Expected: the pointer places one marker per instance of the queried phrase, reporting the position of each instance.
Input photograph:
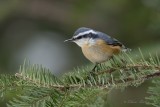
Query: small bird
(96, 46)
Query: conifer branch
(48, 90)
(155, 73)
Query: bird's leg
(112, 58)
(100, 65)
(93, 70)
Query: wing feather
(109, 40)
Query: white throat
(85, 41)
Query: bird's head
(83, 36)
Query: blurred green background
(36, 29)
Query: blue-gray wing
(109, 40)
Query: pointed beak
(69, 40)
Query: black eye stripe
(85, 36)
(79, 37)
(82, 36)
(90, 35)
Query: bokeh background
(36, 29)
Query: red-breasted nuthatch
(96, 46)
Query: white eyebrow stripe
(86, 32)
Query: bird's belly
(97, 54)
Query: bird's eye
(79, 37)
(84, 36)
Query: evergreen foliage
(38, 87)
(154, 98)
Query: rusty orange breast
(100, 51)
